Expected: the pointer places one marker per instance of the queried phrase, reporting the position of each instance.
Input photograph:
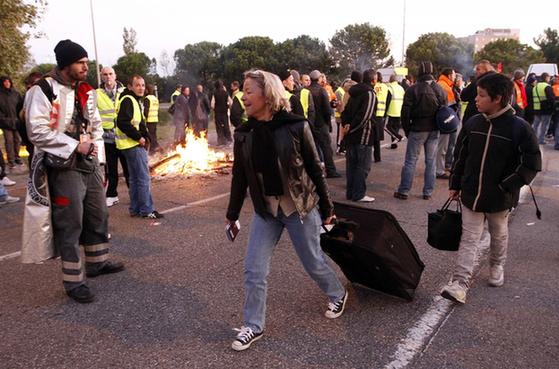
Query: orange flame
(194, 158)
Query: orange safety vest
(518, 94)
(447, 84)
(556, 89)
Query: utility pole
(95, 45)
(404, 35)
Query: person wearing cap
(323, 123)
(64, 124)
(519, 99)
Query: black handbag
(444, 227)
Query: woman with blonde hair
(276, 158)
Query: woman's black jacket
(300, 165)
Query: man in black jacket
(358, 135)
(323, 124)
(496, 154)
(469, 93)
(10, 100)
(421, 102)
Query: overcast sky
(171, 24)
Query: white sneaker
(496, 276)
(366, 199)
(112, 201)
(455, 292)
(7, 182)
(9, 200)
(336, 309)
(245, 338)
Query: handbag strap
(458, 204)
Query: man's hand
(142, 141)
(87, 148)
(453, 194)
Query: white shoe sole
(451, 297)
(330, 315)
(496, 283)
(237, 347)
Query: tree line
(355, 47)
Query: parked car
(549, 68)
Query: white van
(548, 68)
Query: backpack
(447, 119)
(427, 102)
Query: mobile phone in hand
(232, 230)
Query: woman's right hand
(453, 194)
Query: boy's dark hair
(497, 84)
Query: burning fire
(195, 157)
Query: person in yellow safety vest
(151, 112)
(305, 97)
(555, 117)
(132, 139)
(381, 90)
(108, 95)
(394, 101)
(175, 94)
(544, 100)
(237, 113)
(339, 92)
(289, 85)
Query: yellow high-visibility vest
(396, 101)
(382, 94)
(153, 112)
(176, 93)
(339, 91)
(107, 107)
(304, 97)
(538, 93)
(122, 141)
(239, 96)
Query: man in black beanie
(65, 126)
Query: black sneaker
(245, 338)
(108, 268)
(333, 175)
(81, 294)
(153, 215)
(335, 309)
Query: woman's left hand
(330, 219)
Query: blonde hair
(272, 88)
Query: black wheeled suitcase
(377, 254)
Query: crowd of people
(283, 152)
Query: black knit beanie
(68, 52)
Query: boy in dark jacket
(496, 154)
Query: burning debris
(195, 157)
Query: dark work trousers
(378, 124)
(13, 142)
(153, 144)
(79, 217)
(222, 128)
(358, 165)
(325, 142)
(393, 125)
(113, 155)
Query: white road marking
(426, 328)
(191, 204)
(10, 256)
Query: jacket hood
(360, 89)
(4, 78)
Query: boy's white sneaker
(496, 276)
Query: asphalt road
(182, 293)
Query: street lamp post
(95, 45)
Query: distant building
(482, 38)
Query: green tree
(129, 41)
(14, 16)
(134, 63)
(511, 53)
(441, 49)
(359, 47)
(43, 68)
(304, 54)
(248, 52)
(549, 45)
(199, 63)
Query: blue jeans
(264, 235)
(140, 181)
(358, 164)
(429, 141)
(556, 134)
(541, 123)
(3, 192)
